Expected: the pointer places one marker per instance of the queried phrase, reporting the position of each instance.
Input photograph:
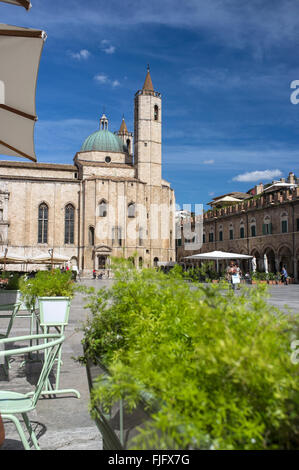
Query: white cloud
(81, 55)
(258, 175)
(103, 79)
(107, 47)
(208, 162)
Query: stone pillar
(277, 264)
(295, 267)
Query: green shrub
(203, 273)
(272, 276)
(10, 280)
(217, 363)
(47, 284)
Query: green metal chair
(54, 312)
(13, 309)
(12, 403)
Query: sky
(224, 69)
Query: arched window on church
(69, 224)
(43, 214)
(103, 208)
(156, 112)
(129, 145)
(131, 210)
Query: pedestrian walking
(233, 274)
(284, 275)
(76, 273)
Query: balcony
(258, 202)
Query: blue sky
(224, 69)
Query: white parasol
(11, 258)
(20, 52)
(218, 255)
(49, 258)
(21, 3)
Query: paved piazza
(64, 423)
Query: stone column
(295, 267)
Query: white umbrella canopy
(20, 52)
(214, 255)
(12, 258)
(218, 255)
(21, 3)
(48, 259)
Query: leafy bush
(272, 276)
(259, 276)
(10, 280)
(47, 284)
(217, 363)
(203, 273)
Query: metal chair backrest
(51, 346)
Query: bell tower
(147, 133)
(125, 136)
(104, 123)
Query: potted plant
(213, 367)
(271, 278)
(254, 278)
(263, 278)
(9, 288)
(52, 290)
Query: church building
(112, 202)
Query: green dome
(103, 141)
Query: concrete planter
(9, 296)
(2, 432)
(54, 310)
(12, 297)
(118, 427)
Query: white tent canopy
(225, 199)
(21, 3)
(48, 259)
(218, 255)
(12, 258)
(20, 52)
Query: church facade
(111, 202)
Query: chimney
(291, 178)
(259, 188)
